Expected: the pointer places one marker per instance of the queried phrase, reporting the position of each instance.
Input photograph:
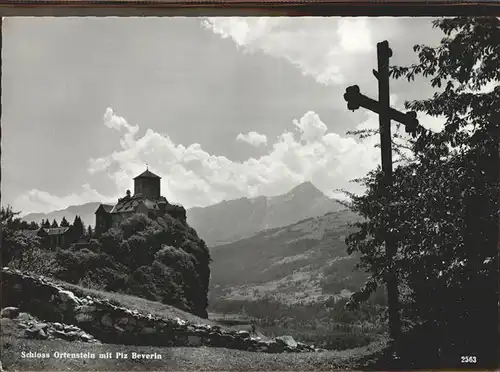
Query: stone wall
(113, 324)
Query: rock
(86, 309)
(287, 341)
(82, 318)
(69, 336)
(194, 341)
(68, 296)
(42, 334)
(37, 333)
(180, 321)
(148, 330)
(71, 328)
(86, 337)
(122, 321)
(40, 326)
(244, 334)
(10, 312)
(181, 340)
(106, 320)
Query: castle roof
(106, 207)
(147, 174)
(131, 204)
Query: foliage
(14, 239)
(33, 226)
(64, 222)
(90, 233)
(325, 324)
(161, 260)
(54, 223)
(78, 227)
(37, 261)
(443, 207)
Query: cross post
(386, 113)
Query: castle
(147, 199)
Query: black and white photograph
(236, 193)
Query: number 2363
(468, 359)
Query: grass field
(172, 359)
(14, 344)
(136, 303)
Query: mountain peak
(305, 188)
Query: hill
(300, 263)
(233, 220)
(85, 211)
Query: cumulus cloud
(317, 46)
(252, 138)
(192, 176)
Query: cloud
(116, 122)
(252, 138)
(44, 202)
(355, 35)
(192, 176)
(320, 47)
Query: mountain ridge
(305, 261)
(229, 220)
(85, 211)
(233, 220)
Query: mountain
(233, 220)
(85, 211)
(305, 261)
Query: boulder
(10, 312)
(36, 332)
(68, 297)
(194, 341)
(83, 317)
(106, 320)
(287, 341)
(69, 336)
(243, 334)
(148, 330)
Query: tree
(64, 222)
(13, 240)
(46, 224)
(33, 226)
(90, 233)
(78, 227)
(54, 224)
(444, 203)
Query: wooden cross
(386, 113)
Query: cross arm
(355, 100)
(374, 106)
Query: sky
(220, 108)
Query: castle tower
(148, 185)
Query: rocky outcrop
(36, 329)
(114, 324)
